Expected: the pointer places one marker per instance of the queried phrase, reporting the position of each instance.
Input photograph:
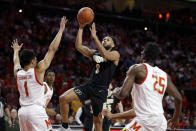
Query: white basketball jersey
(147, 96)
(48, 94)
(30, 89)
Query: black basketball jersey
(102, 73)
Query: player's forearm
(16, 57)
(56, 41)
(78, 43)
(7, 112)
(178, 107)
(101, 49)
(124, 115)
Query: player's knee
(98, 119)
(63, 99)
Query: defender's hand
(93, 30)
(106, 113)
(173, 123)
(15, 45)
(63, 23)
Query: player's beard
(107, 47)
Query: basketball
(85, 15)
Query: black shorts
(106, 124)
(96, 94)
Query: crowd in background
(177, 58)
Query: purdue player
(147, 84)
(110, 105)
(29, 77)
(104, 63)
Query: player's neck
(150, 63)
(26, 68)
(50, 85)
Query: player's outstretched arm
(172, 91)
(16, 59)
(123, 115)
(45, 63)
(112, 56)
(81, 48)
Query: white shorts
(33, 118)
(153, 123)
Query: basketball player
(104, 63)
(110, 105)
(147, 84)
(48, 92)
(29, 76)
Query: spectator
(4, 108)
(15, 122)
(170, 103)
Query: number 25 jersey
(147, 96)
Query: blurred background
(170, 23)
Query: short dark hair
(151, 52)
(49, 70)
(26, 56)
(114, 39)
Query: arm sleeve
(78, 114)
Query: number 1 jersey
(30, 89)
(147, 96)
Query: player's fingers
(66, 20)
(21, 45)
(17, 41)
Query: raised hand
(173, 123)
(93, 30)
(63, 23)
(15, 45)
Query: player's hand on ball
(63, 23)
(98, 59)
(93, 30)
(15, 45)
(173, 123)
(116, 92)
(106, 113)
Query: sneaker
(63, 129)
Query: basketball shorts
(153, 123)
(33, 118)
(106, 124)
(97, 95)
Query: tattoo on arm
(87, 51)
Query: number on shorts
(26, 89)
(97, 68)
(161, 86)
